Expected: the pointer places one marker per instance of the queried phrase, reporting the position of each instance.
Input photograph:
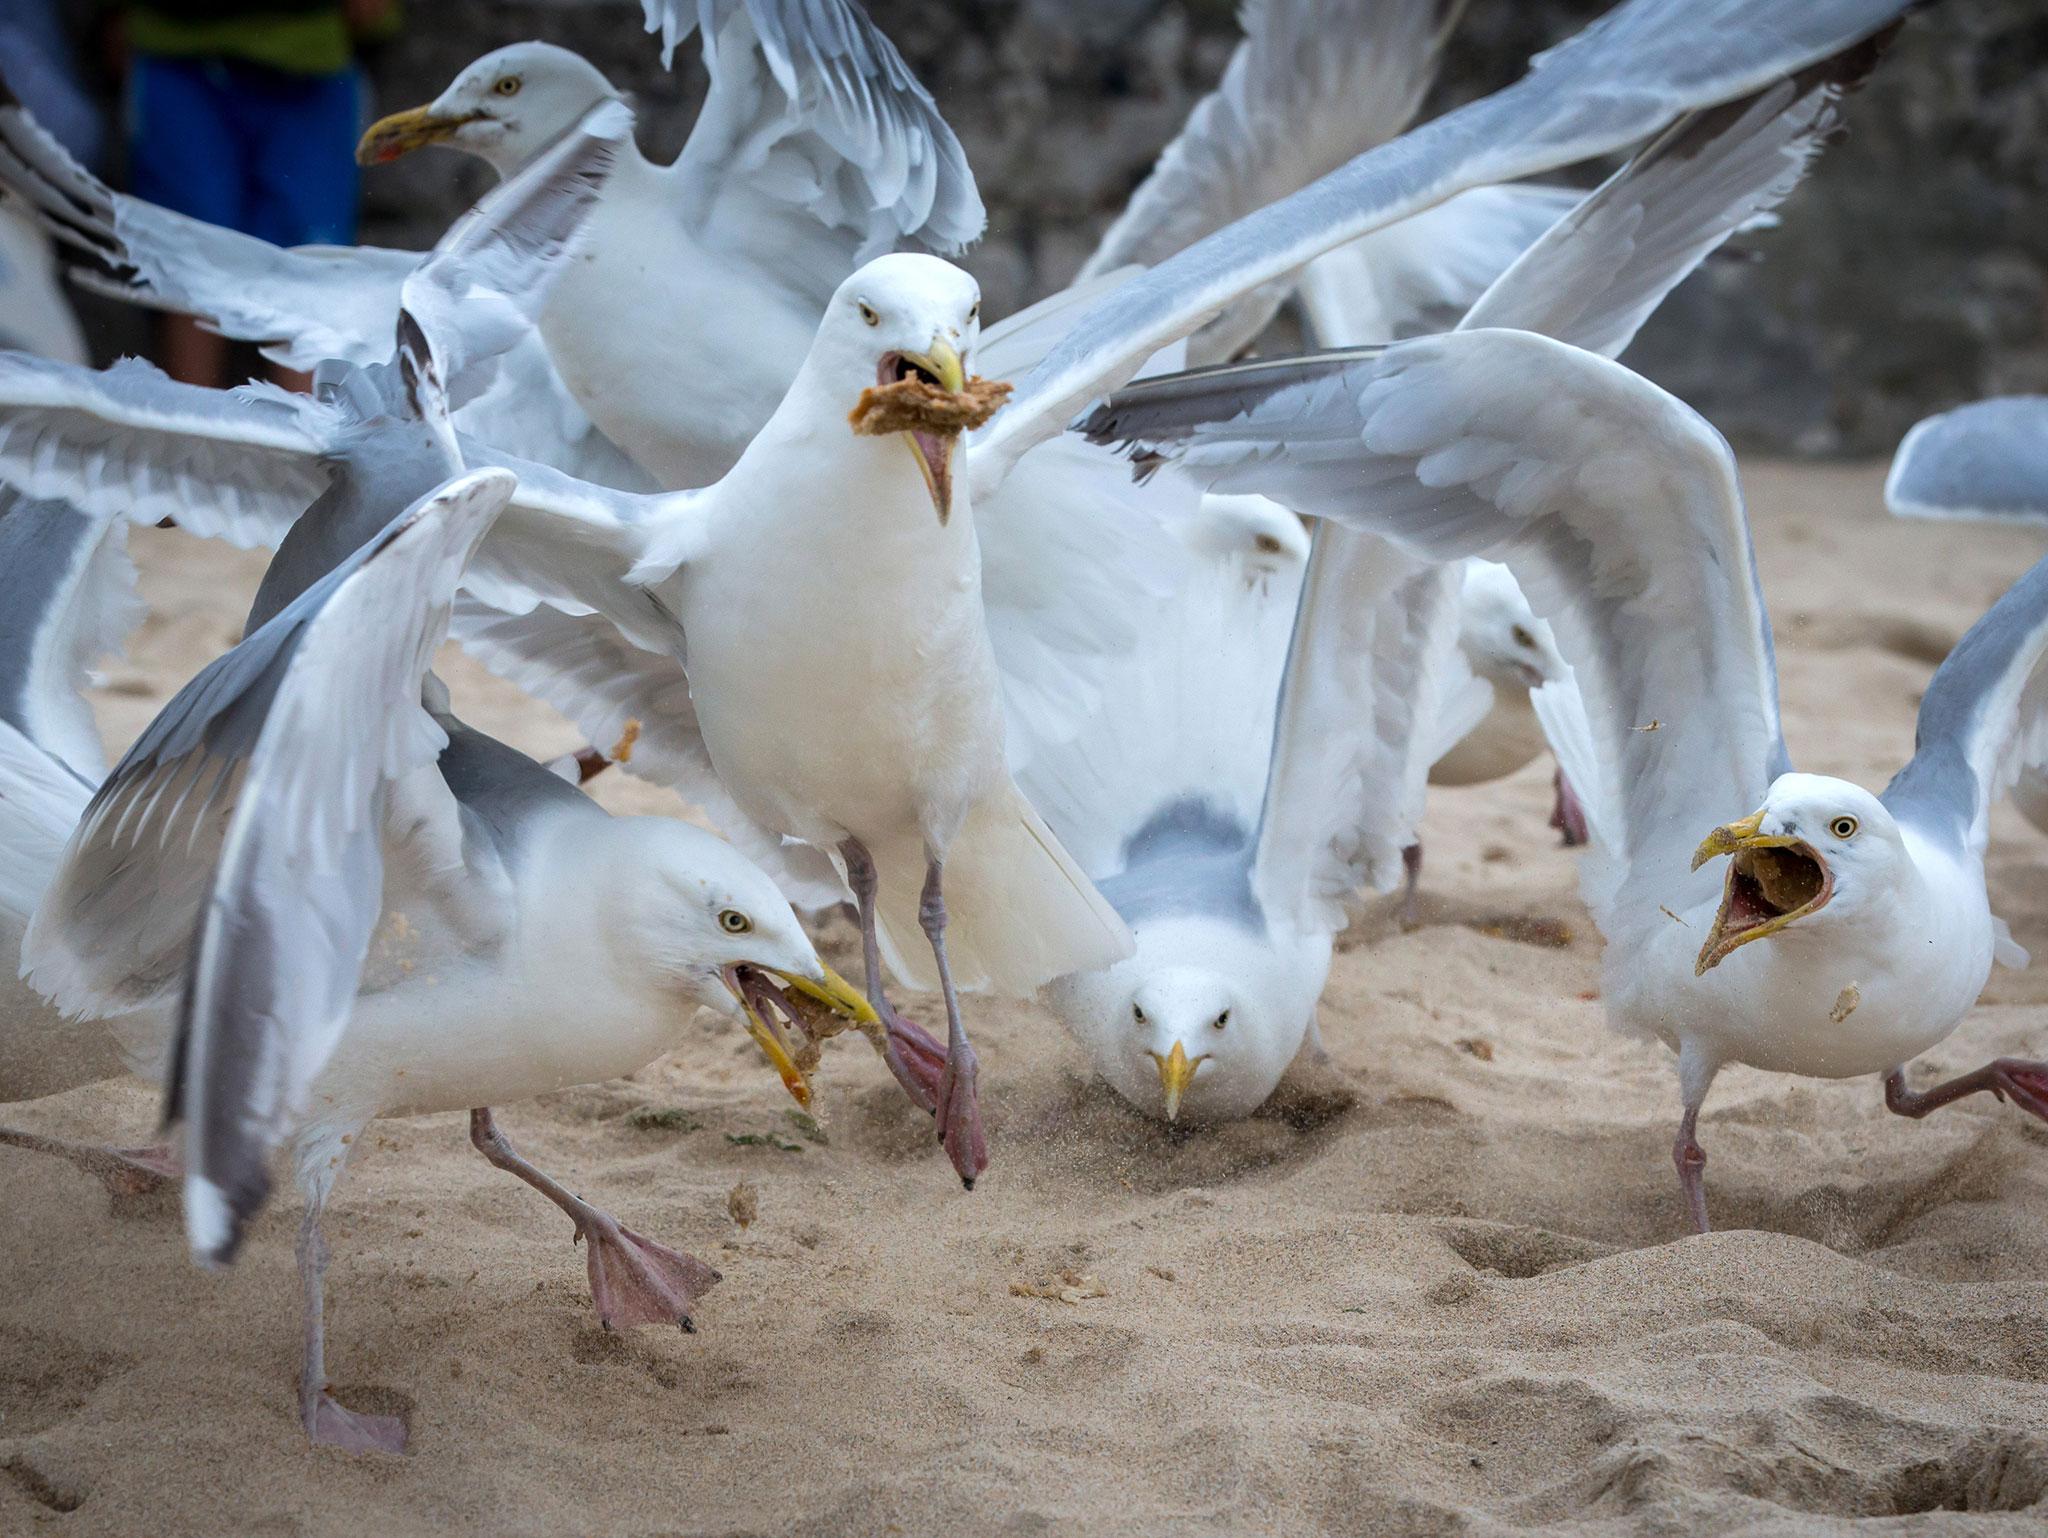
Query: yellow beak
(1786, 883)
(942, 363)
(403, 132)
(1176, 1073)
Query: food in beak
(1769, 885)
(791, 1017)
(928, 399)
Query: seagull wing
(1985, 460)
(1616, 507)
(67, 598)
(479, 292)
(1417, 274)
(270, 760)
(1623, 78)
(1368, 673)
(301, 305)
(238, 465)
(1313, 83)
(813, 112)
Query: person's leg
(302, 130)
(184, 154)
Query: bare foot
(959, 1113)
(329, 1424)
(636, 1281)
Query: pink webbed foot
(123, 1171)
(1568, 816)
(330, 1424)
(635, 1281)
(2024, 1083)
(959, 1113)
(914, 1057)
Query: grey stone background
(1909, 273)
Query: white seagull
(1850, 931)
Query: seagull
(1849, 932)
(815, 149)
(1232, 865)
(219, 891)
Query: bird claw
(914, 1057)
(1568, 816)
(636, 1281)
(959, 1113)
(2024, 1083)
(330, 1424)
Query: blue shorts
(258, 150)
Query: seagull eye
(1138, 1013)
(1222, 1020)
(974, 311)
(509, 86)
(1523, 638)
(734, 922)
(1843, 827)
(869, 314)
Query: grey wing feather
(300, 305)
(812, 106)
(1988, 460)
(1622, 79)
(1596, 275)
(67, 596)
(1366, 677)
(299, 723)
(1313, 83)
(1983, 719)
(239, 465)
(291, 901)
(1615, 506)
(481, 289)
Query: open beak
(1773, 880)
(403, 132)
(763, 1006)
(934, 451)
(1176, 1073)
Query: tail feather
(1019, 910)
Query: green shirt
(302, 37)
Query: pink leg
(1691, 1160)
(632, 1280)
(917, 1061)
(1568, 816)
(2026, 1083)
(327, 1422)
(123, 1171)
(960, 1129)
(1411, 888)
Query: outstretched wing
(1368, 672)
(481, 289)
(813, 113)
(67, 597)
(300, 305)
(1313, 83)
(239, 465)
(1622, 79)
(1988, 459)
(1615, 506)
(238, 846)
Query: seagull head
(505, 108)
(1818, 850)
(1259, 536)
(696, 918)
(897, 343)
(1503, 640)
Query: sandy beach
(1449, 1288)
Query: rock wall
(1911, 272)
